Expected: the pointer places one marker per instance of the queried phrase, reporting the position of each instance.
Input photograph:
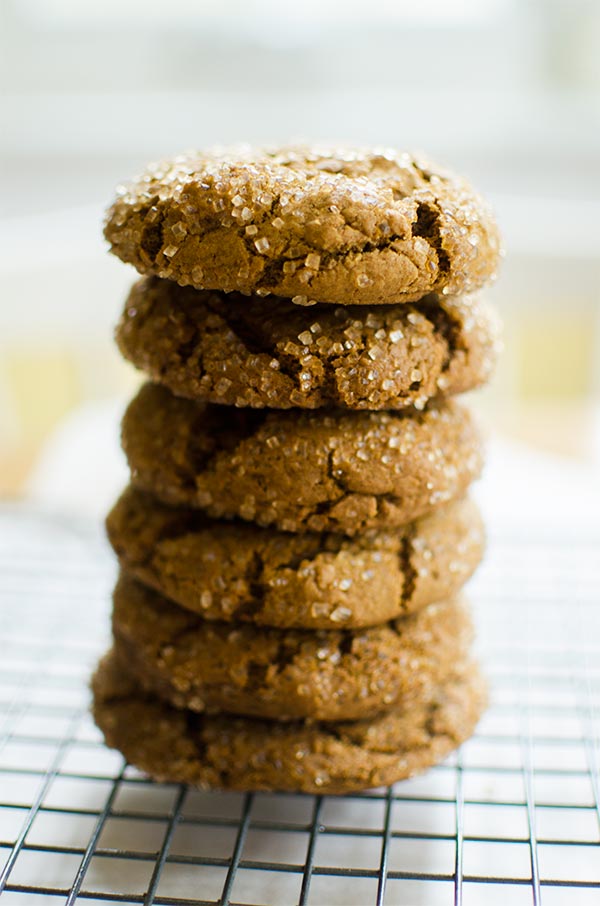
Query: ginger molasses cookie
(244, 753)
(342, 225)
(284, 674)
(325, 470)
(233, 571)
(265, 352)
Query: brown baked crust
(242, 753)
(284, 674)
(233, 571)
(348, 226)
(243, 351)
(327, 470)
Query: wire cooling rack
(513, 818)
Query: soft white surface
(522, 486)
(82, 469)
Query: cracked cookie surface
(284, 674)
(242, 753)
(299, 470)
(233, 571)
(260, 352)
(341, 225)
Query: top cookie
(340, 225)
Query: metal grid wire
(514, 817)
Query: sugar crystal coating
(359, 226)
(326, 474)
(285, 674)
(251, 352)
(225, 752)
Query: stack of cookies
(297, 530)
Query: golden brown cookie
(342, 225)
(284, 674)
(252, 352)
(300, 470)
(233, 571)
(244, 753)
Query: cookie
(260, 352)
(284, 674)
(325, 470)
(233, 571)
(244, 753)
(341, 225)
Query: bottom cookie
(240, 753)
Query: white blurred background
(506, 92)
